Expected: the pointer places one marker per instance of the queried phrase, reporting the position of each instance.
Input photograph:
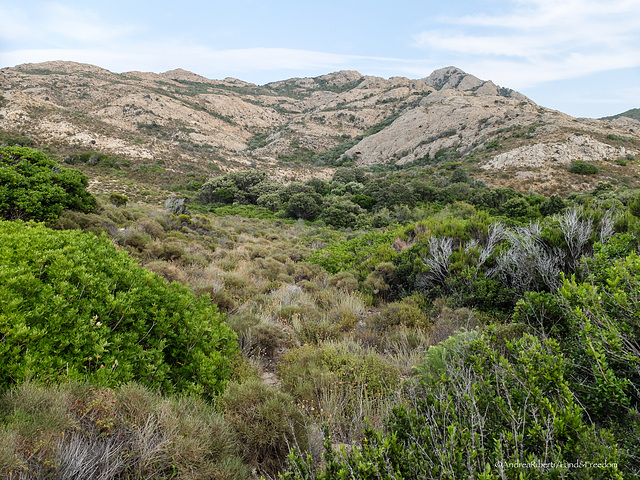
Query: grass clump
(267, 423)
(77, 430)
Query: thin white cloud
(55, 22)
(81, 25)
(543, 40)
(532, 43)
(61, 32)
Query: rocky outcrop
(540, 155)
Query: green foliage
(634, 207)
(340, 212)
(350, 255)
(247, 211)
(19, 142)
(270, 201)
(118, 200)
(594, 321)
(516, 208)
(583, 168)
(486, 407)
(346, 175)
(239, 187)
(303, 205)
(552, 206)
(73, 306)
(365, 201)
(34, 187)
(309, 369)
(266, 421)
(405, 312)
(97, 159)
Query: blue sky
(581, 57)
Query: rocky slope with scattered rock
(301, 127)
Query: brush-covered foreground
(434, 327)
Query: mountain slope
(633, 113)
(297, 128)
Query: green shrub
(118, 200)
(303, 205)
(71, 305)
(485, 408)
(34, 187)
(595, 323)
(405, 312)
(266, 421)
(344, 281)
(583, 168)
(19, 142)
(308, 370)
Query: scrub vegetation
(405, 324)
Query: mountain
(633, 113)
(191, 125)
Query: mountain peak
(453, 78)
(184, 75)
(343, 77)
(61, 66)
(193, 123)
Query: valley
(318, 278)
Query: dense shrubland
(436, 327)
(356, 200)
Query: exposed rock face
(187, 121)
(445, 119)
(576, 147)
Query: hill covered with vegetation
(633, 113)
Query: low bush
(406, 312)
(73, 306)
(34, 187)
(267, 423)
(583, 168)
(484, 408)
(85, 431)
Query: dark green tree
(118, 200)
(303, 205)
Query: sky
(581, 57)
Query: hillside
(633, 113)
(175, 305)
(182, 123)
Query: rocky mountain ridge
(301, 127)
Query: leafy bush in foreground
(487, 407)
(34, 187)
(71, 305)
